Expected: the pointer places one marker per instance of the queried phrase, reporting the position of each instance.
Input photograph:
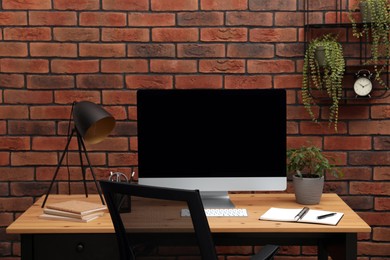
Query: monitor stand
(216, 200)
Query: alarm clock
(363, 83)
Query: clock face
(362, 86)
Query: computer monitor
(212, 140)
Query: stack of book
(73, 210)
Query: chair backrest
(134, 206)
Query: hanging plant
(328, 76)
(376, 30)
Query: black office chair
(130, 216)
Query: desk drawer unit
(70, 247)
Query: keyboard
(219, 212)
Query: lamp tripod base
(81, 150)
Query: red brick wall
(54, 52)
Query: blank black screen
(212, 133)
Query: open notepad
(281, 214)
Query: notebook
(289, 215)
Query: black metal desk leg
(27, 247)
(322, 252)
(351, 246)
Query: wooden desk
(95, 240)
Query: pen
(326, 215)
(302, 213)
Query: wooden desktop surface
(256, 204)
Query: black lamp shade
(92, 122)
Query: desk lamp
(92, 124)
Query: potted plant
(308, 165)
(327, 77)
(375, 27)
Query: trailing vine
(328, 77)
(375, 25)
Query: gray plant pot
(320, 56)
(308, 191)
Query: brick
(224, 34)
(174, 5)
(133, 144)
(370, 188)
(128, 5)
(273, 35)
(290, 50)
(125, 128)
(249, 19)
(19, 127)
(122, 159)
(377, 249)
(299, 141)
(381, 173)
(119, 113)
(102, 19)
(27, 34)
(150, 50)
(24, 65)
(69, 96)
(4, 158)
(275, 5)
(52, 18)
(76, 34)
(53, 50)
(49, 82)
(76, 4)
(14, 112)
(380, 112)
(14, 49)
(312, 128)
(200, 50)
(27, 97)
(13, 18)
(111, 97)
(375, 127)
(274, 66)
(151, 19)
(287, 81)
(299, 112)
(111, 144)
(74, 66)
(363, 173)
(369, 158)
(11, 80)
(14, 143)
(33, 158)
(198, 81)
(288, 19)
(222, 66)
(347, 143)
(200, 18)
(175, 34)
(359, 202)
(102, 50)
(125, 35)
(381, 234)
(149, 81)
(340, 188)
(224, 4)
(244, 50)
(28, 5)
(52, 143)
(382, 143)
(173, 66)
(28, 189)
(250, 82)
(99, 81)
(382, 203)
(49, 112)
(124, 65)
(10, 204)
